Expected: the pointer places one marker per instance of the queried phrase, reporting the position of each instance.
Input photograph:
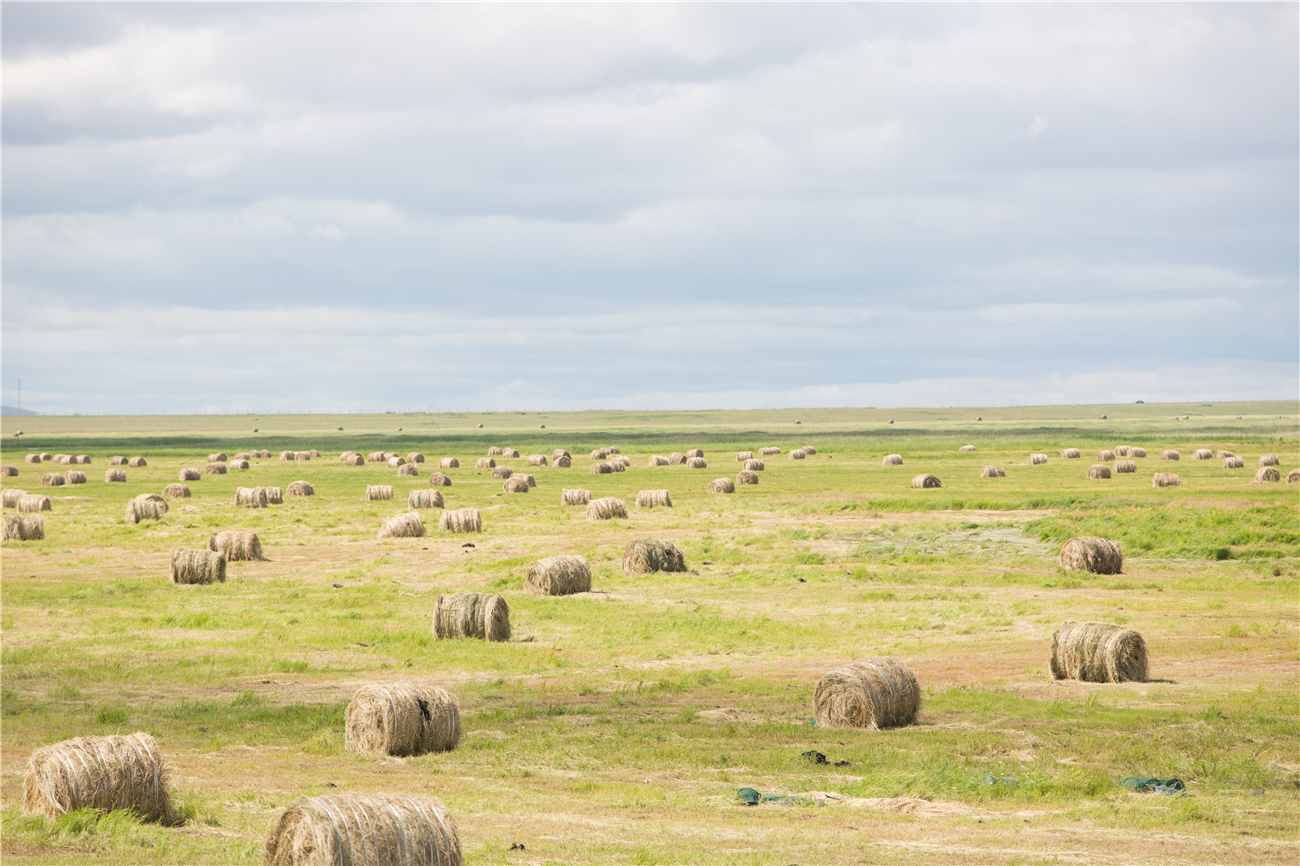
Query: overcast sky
(374, 207)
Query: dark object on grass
(813, 756)
(1150, 785)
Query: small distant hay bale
(374, 457)
(479, 615)
(238, 464)
(966, 448)
(537, 460)
(415, 457)
(809, 450)
(395, 462)
(236, 544)
(1233, 462)
(1269, 460)
(409, 469)
(264, 454)
(401, 719)
(1098, 652)
(494, 451)
(797, 454)
(198, 567)
(449, 463)
(742, 456)
(892, 460)
(364, 830)
(657, 460)
(115, 460)
(137, 462)
(601, 468)
(993, 472)
(74, 476)
(1223, 455)
(1267, 474)
(1070, 454)
(746, 476)
(437, 479)
(460, 520)
(485, 463)
(275, 496)
(1089, 553)
(1099, 470)
(250, 497)
(301, 488)
(925, 481)
(1125, 466)
(53, 479)
(117, 773)
(408, 525)
(873, 693)
(83, 459)
(560, 452)
(676, 459)
(62, 459)
(721, 485)
(8, 471)
(769, 451)
(32, 458)
(1293, 476)
(46, 456)
(511, 453)
(23, 527)
(1105, 456)
(1138, 452)
(564, 461)
(651, 498)
(33, 503)
(754, 465)
(377, 492)
(515, 485)
(1165, 479)
(424, 499)
(502, 472)
(694, 452)
(189, 473)
(146, 506)
(606, 508)
(244, 455)
(1169, 454)
(696, 463)
(218, 457)
(214, 469)
(10, 496)
(177, 491)
(649, 555)
(618, 465)
(559, 575)
(1202, 454)
(353, 459)
(575, 497)
(1037, 459)
(302, 455)
(532, 482)
(313, 454)
(1123, 451)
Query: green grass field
(617, 725)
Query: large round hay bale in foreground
(696, 463)
(1037, 459)
(1233, 462)
(250, 497)
(365, 830)
(118, 773)
(136, 462)
(1099, 470)
(925, 481)
(1269, 460)
(1089, 553)
(437, 479)
(32, 503)
(23, 527)
(177, 491)
(10, 495)
(1098, 652)
(892, 460)
(649, 555)
(575, 497)
(424, 499)
(517, 484)
(236, 544)
(146, 506)
(606, 509)
(408, 525)
(746, 476)
(651, 498)
(873, 693)
(401, 719)
(1165, 479)
(721, 485)
(113, 475)
(189, 473)
(1122, 466)
(1169, 454)
(559, 575)
(460, 520)
(198, 567)
(1266, 474)
(993, 472)
(471, 615)
(301, 488)
(214, 469)
(53, 479)
(378, 492)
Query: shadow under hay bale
(146, 506)
(23, 527)
(236, 544)
(649, 555)
(117, 773)
(1165, 479)
(31, 503)
(1099, 470)
(408, 525)
(250, 497)
(721, 485)
(471, 615)
(745, 476)
(873, 693)
(559, 575)
(365, 830)
(1125, 466)
(606, 509)
(424, 499)
(460, 520)
(1089, 553)
(575, 497)
(53, 479)
(925, 481)
(401, 719)
(993, 472)
(437, 479)
(301, 488)
(1098, 652)
(892, 460)
(1267, 474)
(198, 567)
(651, 498)
(378, 492)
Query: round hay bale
(1269, 460)
(1105, 456)
(536, 459)
(564, 461)
(136, 462)
(117, 773)
(437, 479)
(395, 462)
(649, 555)
(696, 463)
(115, 460)
(1267, 474)
(502, 472)
(62, 459)
(510, 453)
(494, 451)
(606, 509)
(409, 469)
(694, 452)
(214, 469)
(460, 520)
(657, 460)
(74, 476)
(301, 488)
(769, 451)
(236, 544)
(1099, 470)
(7, 471)
(46, 456)
(177, 491)
(575, 497)
(745, 476)
(485, 463)
(408, 525)
(217, 457)
(1125, 466)
(23, 527)
(198, 567)
(275, 496)
(1222, 455)
(83, 459)
(402, 719)
(471, 615)
(675, 459)
(10, 496)
(993, 472)
(873, 693)
(378, 492)
(515, 485)
(353, 458)
(809, 450)
(32, 503)
(742, 456)
(925, 481)
(1169, 454)
(313, 454)
(1233, 462)
(302, 455)
(415, 457)
(559, 575)
(112, 475)
(424, 499)
(721, 485)
(754, 465)
(32, 458)
(967, 448)
(1089, 553)
(1098, 652)
(892, 460)
(264, 454)
(797, 454)
(1165, 479)
(651, 498)
(146, 506)
(560, 452)
(244, 455)
(1123, 451)
(1202, 454)
(1070, 453)
(239, 464)
(250, 497)
(354, 829)
(53, 479)
(1293, 476)
(372, 457)
(1037, 459)
(524, 476)
(449, 463)
(1138, 452)
(601, 468)
(189, 473)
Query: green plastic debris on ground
(1009, 781)
(1150, 785)
(751, 797)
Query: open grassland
(617, 725)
